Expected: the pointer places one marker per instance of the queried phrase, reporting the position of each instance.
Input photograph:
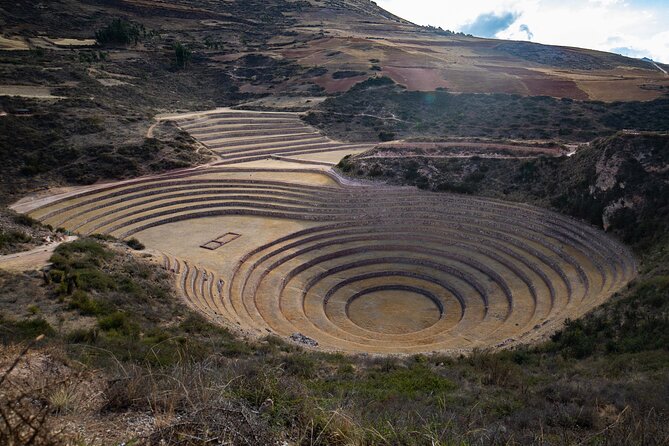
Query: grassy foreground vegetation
(102, 309)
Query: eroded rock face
(607, 172)
(630, 175)
(612, 208)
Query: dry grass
(24, 419)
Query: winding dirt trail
(34, 259)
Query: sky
(635, 28)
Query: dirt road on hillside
(34, 259)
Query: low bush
(135, 244)
(12, 330)
(13, 237)
(120, 32)
(182, 55)
(346, 74)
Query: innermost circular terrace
(393, 311)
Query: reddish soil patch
(256, 89)
(319, 52)
(469, 81)
(554, 87)
(417, 78)
(337, 85)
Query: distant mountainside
(344, 42)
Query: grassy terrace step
(300, 161)
(223, 127)
(105, 208)
(267, 153)
(239, 124)
(277, 138)
(243, 114)
(571, 238)
(238, 120)
(562, 236)
(205, 297)
(234, 134)
(184, 176)
(229, 135)
(245, 260)
(316, 234)
(234, 147)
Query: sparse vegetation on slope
(54, 147)
(19, 232)
(378, 105)
(120, 32)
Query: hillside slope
(351, 39)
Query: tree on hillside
(182, 55)
(120, 32)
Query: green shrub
(380, 385)
(33, 309)
(386, 136)
(182, 55)
(345, 165)
(300, 365)
(82, 336)
(103, 237)
(93, 279)
(86, 247)
(574, 341)
(120, 323)
(344, 74)
(120, 32)
(25, 220)
(135, 244)
(12, 237)
(25, 329)
(87, 306)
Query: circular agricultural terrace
(285, 248)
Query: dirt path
(34, 259)
(492, 156)
(149, 132)
(481, 145)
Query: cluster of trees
(182, 55)
(120, 32)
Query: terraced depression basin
(277, 246)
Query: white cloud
(597, 24)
